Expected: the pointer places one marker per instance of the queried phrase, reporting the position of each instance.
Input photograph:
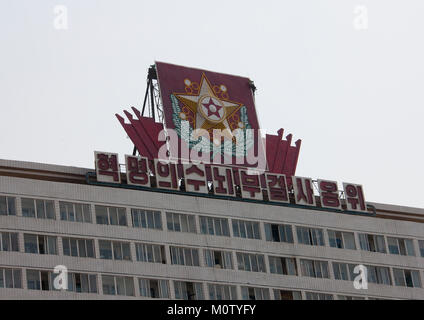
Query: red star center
(213, 109)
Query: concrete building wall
(263, 213)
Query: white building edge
(398, 276)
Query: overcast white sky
(354, 97)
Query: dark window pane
(28, 207)
(11, 206)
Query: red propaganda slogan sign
(225, 181)
(213, 115)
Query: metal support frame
(152, 99)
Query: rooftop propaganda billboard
(213, 115)
(228, 182)
(210, 144)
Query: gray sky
(354, 97)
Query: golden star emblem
(211, 112)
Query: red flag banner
(213, 116)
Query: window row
(187, 256)
(150, 219)
(152, 288)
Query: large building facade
(120, 243)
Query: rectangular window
(146, 219)
(314, 268)
(283, 265)
(255, 293)
(40, 244)
(150, 253)
(404, 247)
(38, 208)
(344, 271)
(287, 295)
(180, 222)
(114, 250)
(372, 242)
(407, 278)
(318, 296)
(154, 288)
(379, 275)
(310, 236)
(9, 241)
(188, 290)
(246, 229)
(214, 226)
(218, 259)
(421, 246)
(79, 212)
(341, 239)
(278, 232)
(10, 278)
(250, 262)
(81, 282)
(114, 285)
(184, 256)
(341, 297)
(222, 292)
(111, 215)
(7, 206)
(39, 280)
(83, 248)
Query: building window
(9, 241)
(150, 253)
(222, 292)
(341, 239)
(114, 250)
(39, 280)
(188, 290)
(310, 236)
(146, 219)
(83, 248)
(341, 297)
(404, 247)
(78, 212)
(111, 215)
(421, 245)
(314, 268)
(10, 278)
(407, 278)
(344, 271)
(372, 242)
(287, 295)
(184, 256)
(251, 262)
(214, 226)
(379, 275)
(42, 209)
(154, 288)
(7, 206)
(218, 259)
(82, 282)
(254, 293)
(278, 232)
(318, 296)
(283, 265)
(180, 222)
(246, 229)
(40, 244)
(121, 286)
